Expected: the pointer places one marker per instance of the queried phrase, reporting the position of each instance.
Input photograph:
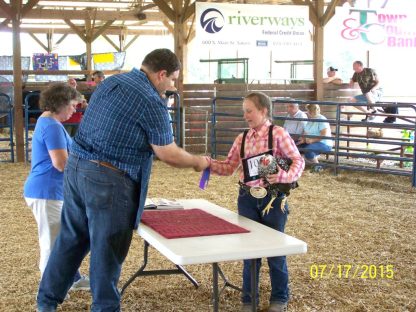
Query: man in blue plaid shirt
(106, 179)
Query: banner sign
(250, 25)
(43, 61)
(387, 28)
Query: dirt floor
(353, 219)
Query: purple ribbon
(203, 183)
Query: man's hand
(202, 163)
(179, 158)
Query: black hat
(332, 69)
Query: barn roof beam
(54, 14)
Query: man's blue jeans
(314, 149)
(98, 215)
(252, 208)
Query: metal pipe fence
(6, 122)
(396, 149)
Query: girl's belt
(270, 190)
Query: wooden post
(17, 82)
(319, 19)
(49, 38)
(318, 52)
(180, 51)
(88, 44)
(122, 42)
(179, 13)
(89, 58)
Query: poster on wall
(372, 27)
(43, 61)
(251, 26)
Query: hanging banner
(103, 58)
(377, 27)
(43, 61)
(250, 25)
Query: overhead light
(141, 16)
(87, 4)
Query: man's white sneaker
(82, 284)
(278, 307)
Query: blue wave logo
(212, 20)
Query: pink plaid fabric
(256, 143)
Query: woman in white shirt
(311, 146)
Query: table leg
(187, 275)
(227, 282)
(253, 285)
(215, 294)
(140, 270)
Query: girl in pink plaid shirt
(257, 141)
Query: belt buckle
(258, 192)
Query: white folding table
(260, 242)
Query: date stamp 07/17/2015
(351, 271)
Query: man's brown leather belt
(106, 164)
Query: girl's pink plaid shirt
(257, 143)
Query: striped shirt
(257, 143)
(125, 115)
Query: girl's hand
(272, 178)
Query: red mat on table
(188, 223)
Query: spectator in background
(43, 189)
(372, 92)
(71, 125)
(311, 146)
(294, 127)
(167, 97)
(369, 84)
(72, 83)
(98, 77)
(332, 76)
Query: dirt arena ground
(353, 219)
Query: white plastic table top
(260, 242)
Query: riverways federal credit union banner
(247, 25)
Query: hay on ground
(354, 218)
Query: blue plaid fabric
(124, 116)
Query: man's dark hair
(57, 96)
(162, 59)
(359, 63)
(98, 73)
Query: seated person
(71, 125)
(294, 127)
(332, 76)
(312, 147)
(98, 77)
